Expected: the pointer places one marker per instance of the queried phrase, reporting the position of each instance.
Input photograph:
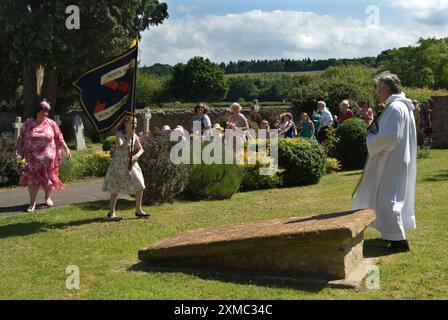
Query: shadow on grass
(350, 173)
(22, 208)
(442, 176)
(30, 228)
(304, 284)
(122, 204)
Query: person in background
(181, 133)
(265, 126)
(325, 121)
(426, 119)
(366, 113)
(219, 130)
(316, 120)
(287, 126)
(307, 125)
(40, 144)
(201, 110)
(417, 116)
(345, 112)
(119, 179)
(166, 131)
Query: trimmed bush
(303, 161)
(109, 143)
(164, 180)
(253, 180)
(351, 149)
(84, 165)
(332, 165)
(94, 165)
(10, 167)
(213, 182)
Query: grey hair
(322, 103)
(392, 83)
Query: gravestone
(17, 127)
(146, 117)
(78, 128)
(328, 247)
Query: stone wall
(160, 117)
(440, 122)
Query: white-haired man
(326, 120)
(388, 181)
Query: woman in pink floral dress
(40, 143)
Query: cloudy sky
(229, 30)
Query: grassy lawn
(35, 249)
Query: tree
(242, 87)
(198, 80)
(52, 57)
(150, 89)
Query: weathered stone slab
(325, 246)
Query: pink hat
(45, 105)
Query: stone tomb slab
(328, 247)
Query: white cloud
(433, 12)
(271, 35)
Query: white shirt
(388, 182)
(327, 118)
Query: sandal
(49, 203)
(31, 208)
(142, 215)
(109, 215)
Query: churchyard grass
(35, 249)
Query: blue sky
(225, 30)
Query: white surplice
(388, 183)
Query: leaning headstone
(328, 246)
(17, 127)
(78, 128)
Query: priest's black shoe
(399, 246)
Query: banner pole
(134, 88)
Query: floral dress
(41, 144)
(118, 177)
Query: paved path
(16, 201)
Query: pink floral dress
(40, 145)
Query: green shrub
(66, 170)
(10, 167)
(332, 165)
(93, 165)
(253, 180)
(164, 180)
(85, 165)
(213, 181)
(351, 149)
(303, 161)
(109, 143)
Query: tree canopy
(37, 39)
(198, 80)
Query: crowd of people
(313, 127)
(41, 142)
